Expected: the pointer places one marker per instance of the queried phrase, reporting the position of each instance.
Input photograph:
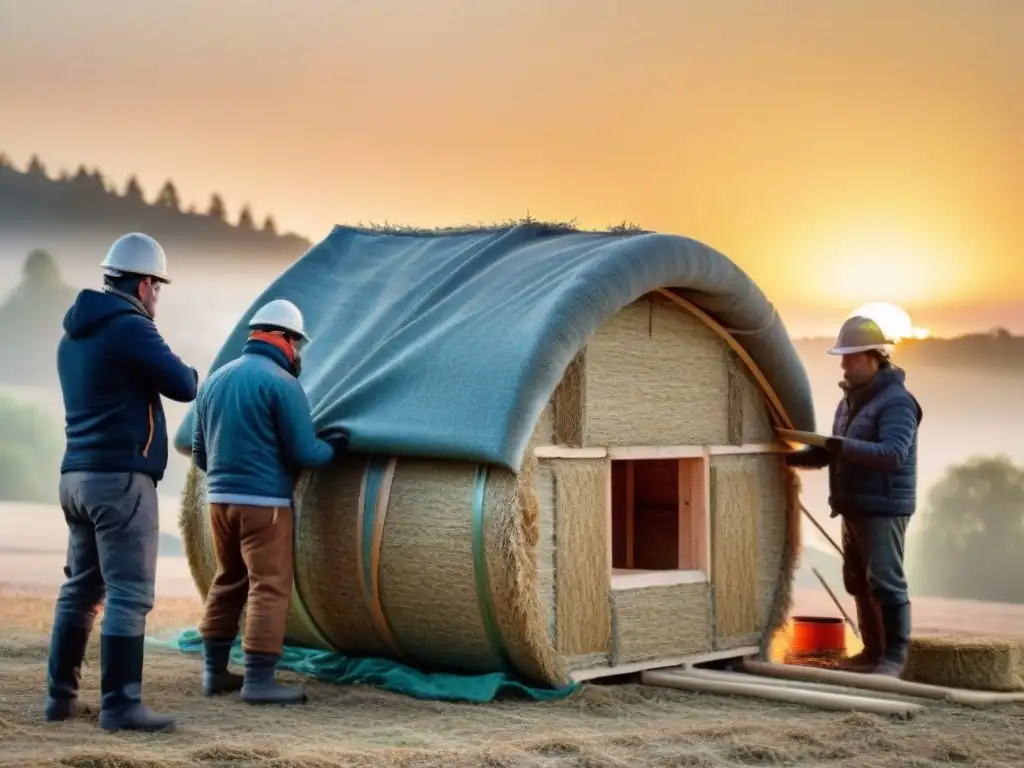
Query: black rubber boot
(64, 671)
(260, 686)
(121, 706)
(896, 621)
(216, 678)
(869, 622)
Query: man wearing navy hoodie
(114, 367)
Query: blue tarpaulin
(449, 344)
(332, 667)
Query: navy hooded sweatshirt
(113, 367)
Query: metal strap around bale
(374, 493)
(298, 604)
(301, 613)
(483, 587)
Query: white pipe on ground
(880, 683)
(821, 699)
(781, 682)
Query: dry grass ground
(602, 726)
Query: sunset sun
(894, 320)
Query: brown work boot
(869, 621)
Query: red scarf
(275, 340)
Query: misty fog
(968, 411)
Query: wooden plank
(592, 673)
(630, 514)
(704, 516)
(609, 500)
(640, 579)
(748, 448)
(639, 452)
(567, 452)
(684, 503)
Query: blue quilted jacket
(876, 471)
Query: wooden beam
(565, 452)
(690, 660)
(694, 537)
(685, 522)
(646, 452)
(705, 515)
(747, 448)
(608, 499)
(639, 579)
(630, 514)
(642, 452)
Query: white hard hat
(861, 334)
(137, 254)
(281, 314)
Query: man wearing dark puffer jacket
(113, 367)
(872, 461)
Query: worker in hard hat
(253, 433)
(113, 367)
(872, 461)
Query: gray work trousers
(113, 538)
(873, 558)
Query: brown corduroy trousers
(254, 568)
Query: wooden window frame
(693, 477)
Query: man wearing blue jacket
(113, 367)
(253, 433)
(872, 462)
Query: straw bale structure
(986, 664)
(636, 511)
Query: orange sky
(839, 151)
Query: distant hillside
(35, 206)
(996, 350)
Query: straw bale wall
(583, 624)
(660, 622)
(455, 566)
(755, 523)
(656, 375)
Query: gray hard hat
(136, 254)
(861, 334)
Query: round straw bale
(428, 562)
(990, 664)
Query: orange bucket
(818, 634)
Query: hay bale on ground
(989, 664)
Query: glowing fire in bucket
(782, 643)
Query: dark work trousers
(873, 559)
(254, 571)
(113, 537)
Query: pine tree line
(93, 181)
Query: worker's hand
(337, 440)
(834, 445)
